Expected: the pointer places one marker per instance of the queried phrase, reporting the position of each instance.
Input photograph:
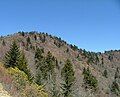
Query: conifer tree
(35, 37)
(50, 60)
(28, 40)
(3, 43)
(39, 57)
(23, 33)
(115, 88)
(105, 74)
(40, 66)
(45, 66)
(89, 80)
(12, 57)
(68, 78)
(23, 65)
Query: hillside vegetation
(41, 65)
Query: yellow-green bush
(17, 84)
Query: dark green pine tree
(50, 61)
(41, 73)
(28, 40)
(105, 74)
(68, 78)
(39, 57)
(12, 57)
(45, 66)
(23, 65)
(90, 81)
(115, 88)
(35, 37)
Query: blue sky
(90, 24)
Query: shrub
(17, 84)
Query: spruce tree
(12, 57)
(23, 65)
(44, 65)
(50, 60)
(68, 79)
(41, 73)
(39, 57)
(28, 40)
(90, 81)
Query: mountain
(96, 74)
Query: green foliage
(89, 79)
(28, 40)
(68, 78)
(22, 33)
(39, 57)
(40, 66)
(58, 43)
(3, 43)
(23, 65)
(67, 50)
(115, 88)
(54, 91)
(12, 56)
(105, 74)
(74, 47)
(35, 37)
(20, 78)
(45, 66)
(42, 37)
(102, 61)
(96, 59)
(45, 71)
(117, 73)
(50, 60)
(92, 57)
(22, 86)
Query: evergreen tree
(50, 60)
(39, 57)
(68, 78)
(28, 40)
(96, 59)
(89, 80)
(12, 57)
(3, 43)
(40, 66)
(45, 66)
(117, 73)
(23, 65)
(105, 74)
(102, 61)
(54, 91)
(35, 37)
(23, 33)
(115, 88)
